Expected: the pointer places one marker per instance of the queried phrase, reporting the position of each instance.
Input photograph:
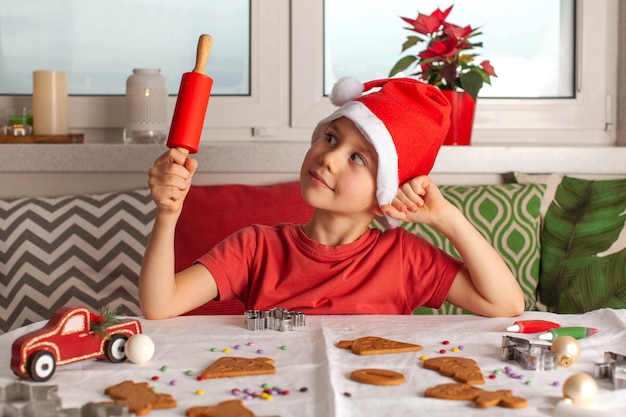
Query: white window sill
(285, 157)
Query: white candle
(50, 102)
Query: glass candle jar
(146, 107)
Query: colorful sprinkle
(214, 349)
(189, 372)
(226, 350)
(250, 343)
(235, 391)
(200, 392)
(492, 376)
(260, 351)
(155, 378)
(165, 368)
(497, 372)
(284, 347)
(423, 357)
(529, 382)
(265, 385)
(442, 351)
(304, 389)
(237, 347)
(200, 378)
(173, 382)
(445, 342)
(347, 394)
(461, 347)
(556, 384)
(455, 349)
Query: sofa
(563, 237)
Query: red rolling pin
(192, 102)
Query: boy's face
(338, 173)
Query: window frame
(585, 119)
(287, 99)
(264, 107)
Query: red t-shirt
(390, 272)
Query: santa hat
(406, 121)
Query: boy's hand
(419, 200)
(170, 179)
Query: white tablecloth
(308, 358)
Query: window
(535, 61)
(279, 91)
(569, 120)
(99, 54)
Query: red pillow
(213, 212)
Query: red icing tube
(191, 106)
(192, 102)
(532, 326)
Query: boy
(368, 159)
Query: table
(308, 358)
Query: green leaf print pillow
(507, 215)
(583, 259)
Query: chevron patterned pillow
(71, 250)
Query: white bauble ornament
(139, 348)
(566, 349)
(581, 389)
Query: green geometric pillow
(583, 260)
(507, 216)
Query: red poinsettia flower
(96, 319)
(442, 49)
(427, 24)
(447, 61)
(488, 68)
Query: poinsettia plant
(448, 60)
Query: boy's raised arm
(485, 285)
(162, 293)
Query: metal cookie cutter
(534, 357)
(274, 319)
(613, 368)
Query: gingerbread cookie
(229, 408)
(378, 377)
(139, 397)
(482, 398)
(372, 345)
(229, 366)
(461, 369)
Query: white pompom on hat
(406, 121)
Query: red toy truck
(68, 337)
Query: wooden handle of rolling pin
(205, 43)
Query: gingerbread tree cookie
(461, 369)
(230, 408)
(373, 345)
(230, 366)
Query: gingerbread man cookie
(482, 398)
(139, 397)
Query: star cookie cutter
(274, 319)
(613, 368)
(530, 356)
